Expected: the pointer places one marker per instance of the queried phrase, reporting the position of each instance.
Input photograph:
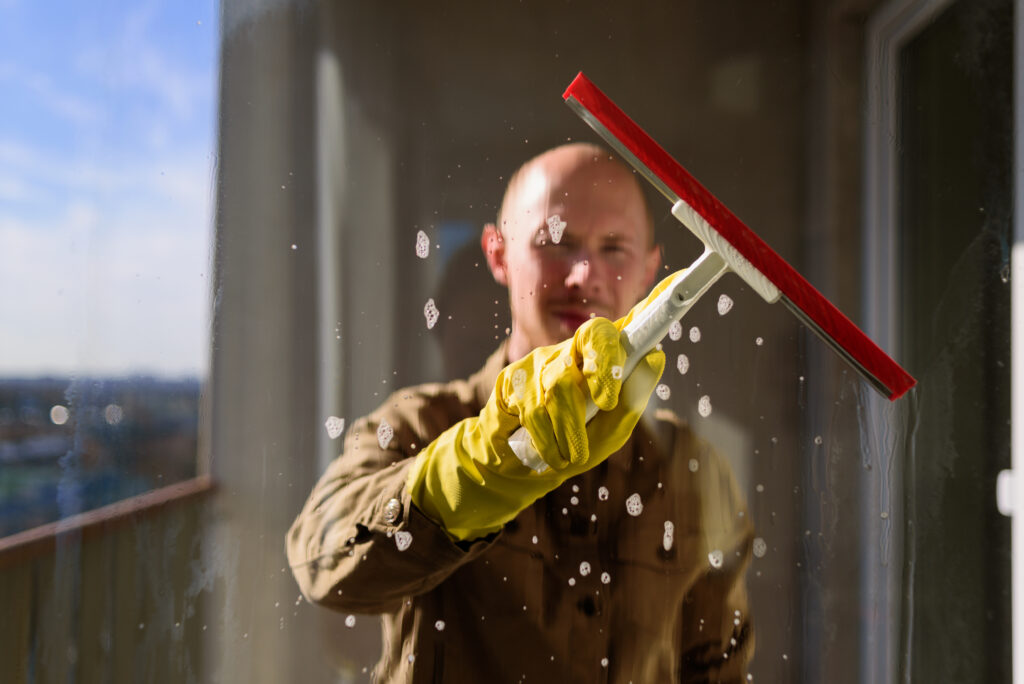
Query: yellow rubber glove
(470, 482)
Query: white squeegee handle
(650, 326)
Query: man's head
(603, 262)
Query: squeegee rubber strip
(817, 311)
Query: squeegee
(729, 246)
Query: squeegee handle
(643, 334)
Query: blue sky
(107, 142)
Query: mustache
(580, 305)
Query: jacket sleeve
(359, 544)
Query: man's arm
(359, 544)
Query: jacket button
(392, 511)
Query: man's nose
(582, 273)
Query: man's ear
(652, 262)
(493, 246)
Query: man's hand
(469, 480)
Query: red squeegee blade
(811, 306)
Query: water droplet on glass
(716, 558)
(606, 578)
(59, 415)
(669, 536)
(555, 228)
(384, 434)
(683, 364)
(572, 581)
(724, 305)
(422, 245)
(675, 331)
(403, 539)
(663, 391)
(113, 414)
(694, 465)
(294, 246)
(695, 334)
(411, 658)
(431, 313)
(704, 406)
(759, 341)
(602, 493)
(574, 500)
(534, 540)
(335, 426)
(616, 372)
(1004, 273)
(760, 547)
(439, 625)
(584, 569)
(604, 662)
(634, 506)
(350, 621)
(818, 440)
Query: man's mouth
(571, 319)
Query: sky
(107, 165)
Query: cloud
(137, 62)
(114, 278)
(72, 108)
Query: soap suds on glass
(760, 547)
(422, 245)
(704, 406)
(403, 539)
(634, 506)
(602, 493)
(682, 364)
(384, 434)
(675, 331)
(669, 536)
(663, 391)
(431, 313)
(716, 558)
(519, 382)
(724, 305)
(695, 334)
(556, 226)
(335, 426)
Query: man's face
(601, 264)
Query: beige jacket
(575, 589)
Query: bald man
(619, 557)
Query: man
(619, 558)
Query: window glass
(106, 155)
(360, 153)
